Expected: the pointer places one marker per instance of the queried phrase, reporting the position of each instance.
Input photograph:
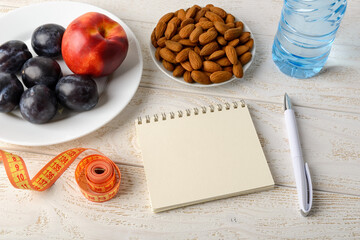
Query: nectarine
(94, 44)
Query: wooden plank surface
(271, 214)
(328, 114)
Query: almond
(209, 49)
(240, 50)
(175, 20)
(220, 76)
(191, 12)
(200, 14)
(209, 66)
(183, 55)
(195, 60)
(187, 77)
(206, 8)
(160, 29)
(167, 55)
(212, 29)
(239, 25)
(238, 70)
(219, 11)
(250, 43)
(221, 27)
(171, 30)
(234, 42)
(200, 77)
(204, 19)
(176, 38)
(195, 34)
(197, 50)
(232, 33)
(221, 40)
(176, 13)
(228, 69)
(216, 55)
(181, 14)
(167, 17)
(173, 46)
(205, 24)
(187, 42)
(157, 54)
(230, 18)
(224, 62)
(213, 17)
(153, 39)
(207, 37)
(187, 66)
(245, 36)
(168, 66)
(208, 74)
(231, 54)
(186, 22)
(161, 42)
(186, 31)
(178, 71)
(245, 58)
(230, 25)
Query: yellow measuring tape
(97, 176)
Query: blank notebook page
(197, 158)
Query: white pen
(301, 169)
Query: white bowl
(181, 80)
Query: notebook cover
(202, 157)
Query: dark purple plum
(41, 70)
(13, 54)
(77, 92)
(10, 92)
(38, 104)
(46, 40)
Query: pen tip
(287, 103)
(305, 214)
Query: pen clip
(309, 192)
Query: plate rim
(140, 65)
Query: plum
(46, 40)
(10, 91)
(41, 70)
(13, 54)
(38, 104)
(77, 92)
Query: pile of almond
(204, 45)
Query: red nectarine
(94, 44)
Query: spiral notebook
(201, 154)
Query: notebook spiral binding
(196, 111)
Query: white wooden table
(328, 115)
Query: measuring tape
(97, 176)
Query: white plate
(121, 85)
(181, 80)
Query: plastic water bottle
(307, 29)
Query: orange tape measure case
(97, 176)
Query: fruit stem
(102, 31)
